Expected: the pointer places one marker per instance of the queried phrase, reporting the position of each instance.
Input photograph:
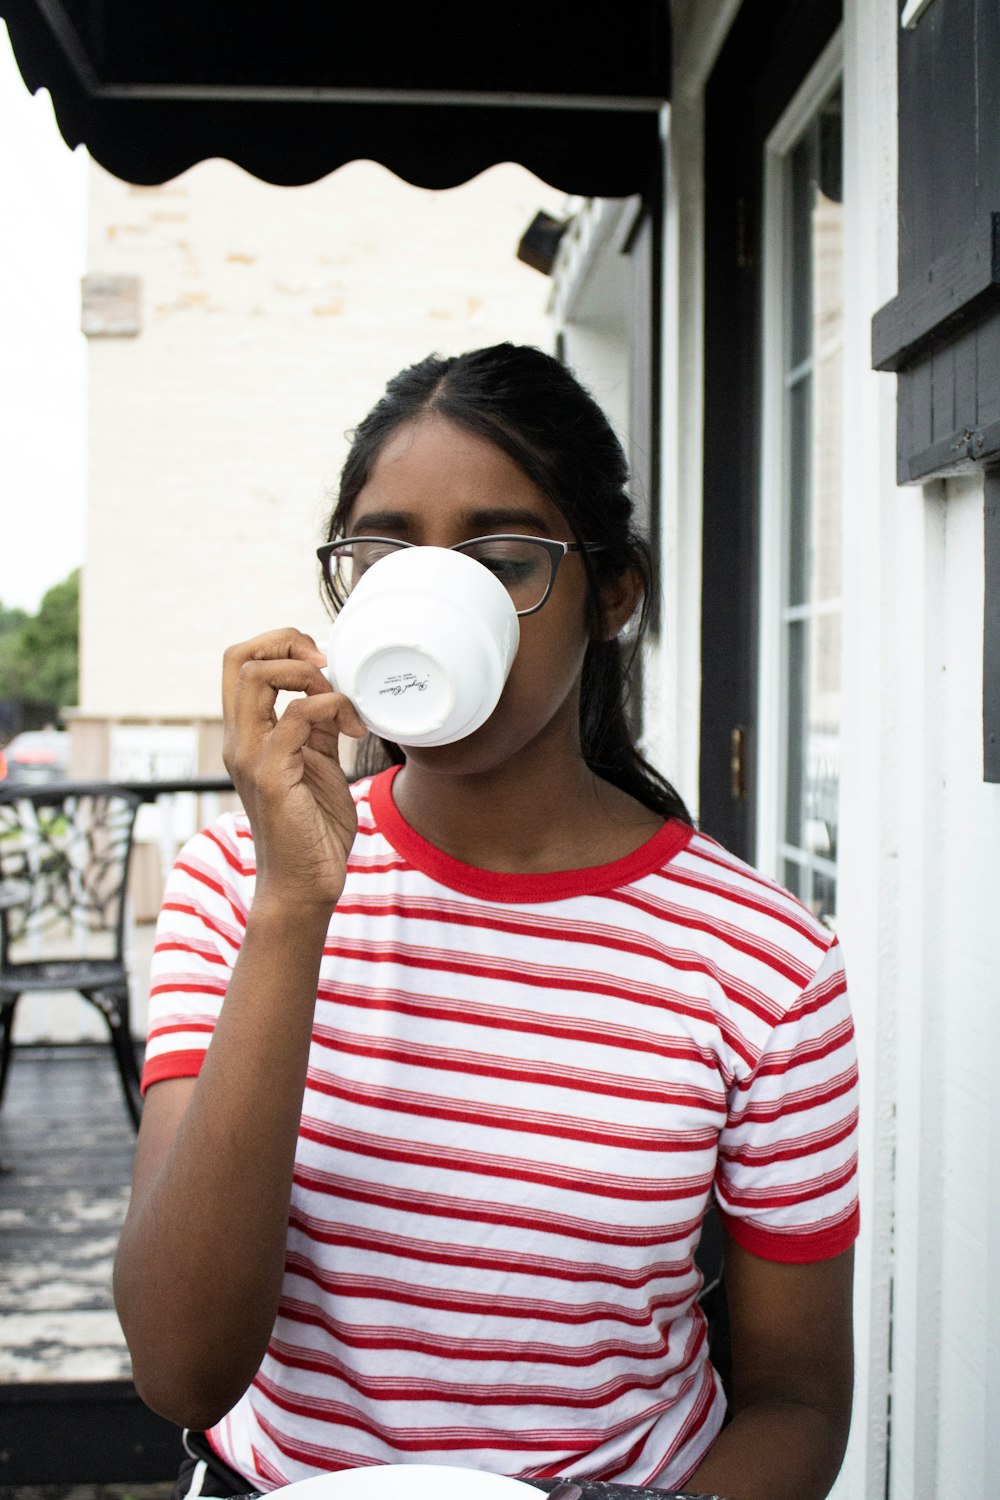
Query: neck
(496, 819)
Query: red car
(37, 755)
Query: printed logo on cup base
(402, 682)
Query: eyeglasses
(525, 565)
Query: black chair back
(68, 847)
(65, 850)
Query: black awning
(436, 93)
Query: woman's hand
(287, 771)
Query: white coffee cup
(424, 645)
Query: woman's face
(435, 484)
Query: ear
(620, 598)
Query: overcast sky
(42, 352)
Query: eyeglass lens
(524, 566)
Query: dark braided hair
(530, 406)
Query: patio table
(596, 1489)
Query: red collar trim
(492, 885)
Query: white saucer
(409, 1482)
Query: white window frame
(817, 86)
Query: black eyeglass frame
(556, 551)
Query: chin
(469, 757)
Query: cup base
(423, 645)
(401, 690)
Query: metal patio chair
(64, 858)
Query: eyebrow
(377, 522)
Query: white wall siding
(967, 997)
(945, 991)
(589, 302)
(869, 858)
(674, 709)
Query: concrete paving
(66, 1148)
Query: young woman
(445, 1066)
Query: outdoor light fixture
(539, 243)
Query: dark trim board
(962, 453)
(768, 53)
(956, 287)
(83, 1433)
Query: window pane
(796, 711)
(799, 441)
(823, 898)
(814, 888)
(826, 519)
(795, 879)
(812, 750)
(801, 175)
(827, 347)
(814, 372)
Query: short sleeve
(198, 936)
(786, 1180)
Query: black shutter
(941, 334)
(770, 49)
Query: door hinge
(738, 766)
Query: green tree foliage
(39, 654)
(12, 619)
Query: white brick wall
(271, 319)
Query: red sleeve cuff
(172, 1065)
(794, 1246)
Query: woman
(496, 1023)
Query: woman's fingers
(287, 770)
(258, 684)
(253, 675)
(250, 715)
(274, 646)
(317, 722)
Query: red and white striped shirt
(522, 1091)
